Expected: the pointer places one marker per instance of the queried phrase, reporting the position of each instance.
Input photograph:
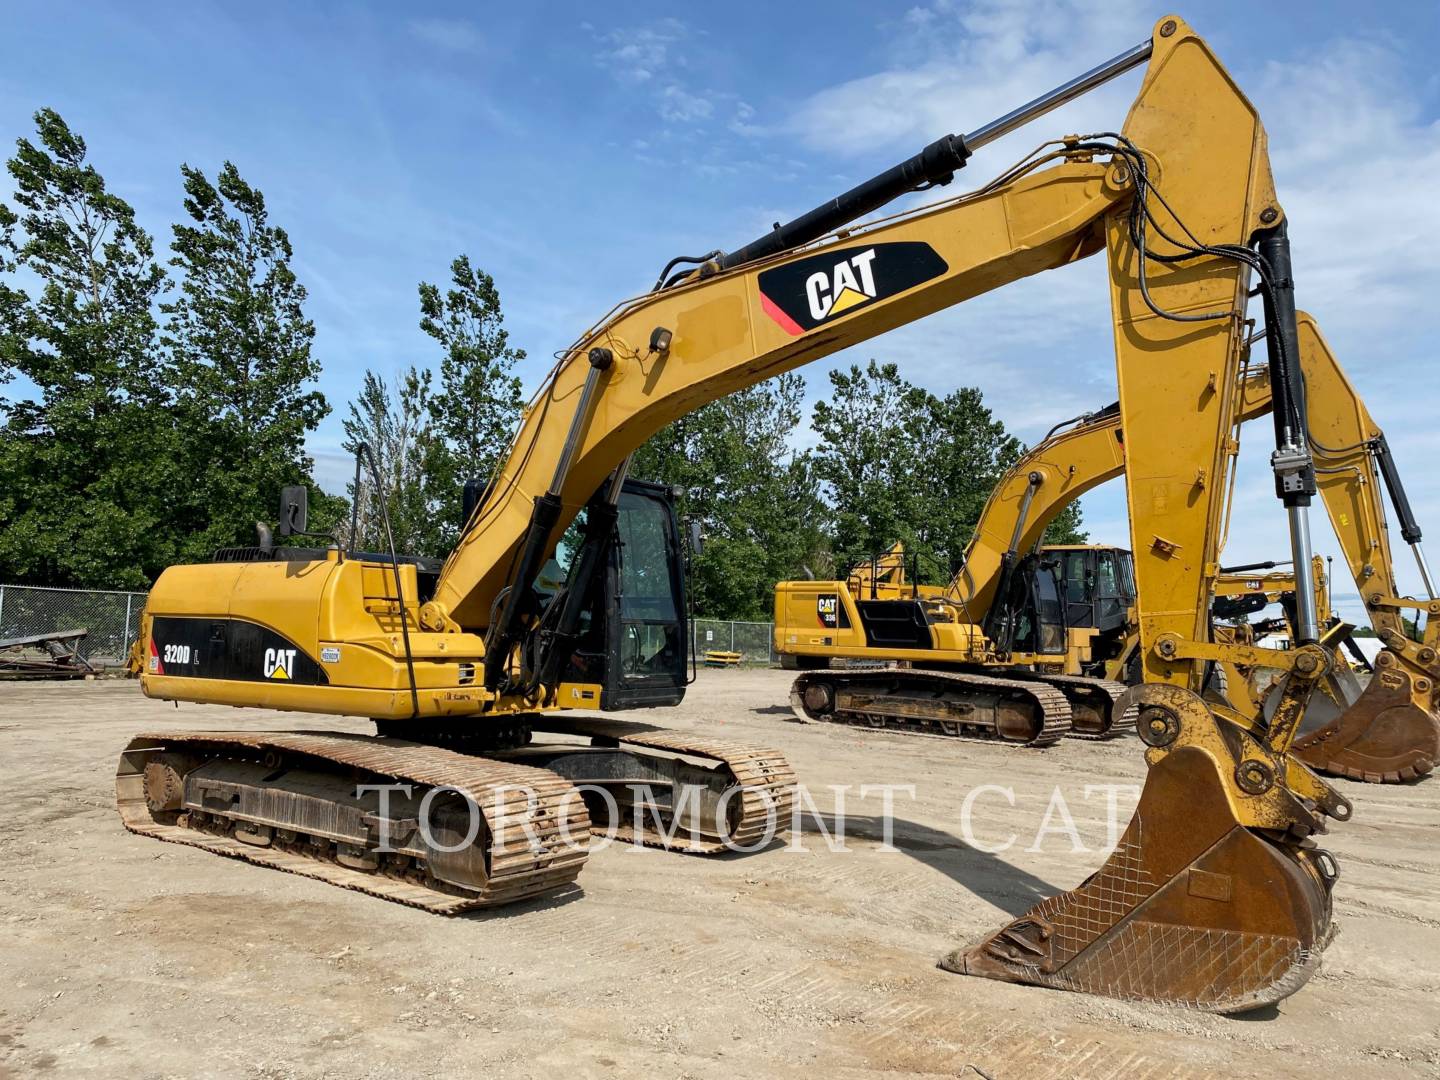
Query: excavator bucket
(1387, 735)
(1214, 898)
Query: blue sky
(570, 149)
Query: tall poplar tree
(477, 401)
(239, 347)
(86, 441)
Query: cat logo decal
(803, 294)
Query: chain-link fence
(754, 641)
(111, 620)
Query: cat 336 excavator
(1066, 607)
(1013, 648)
(1063, 619)
(1216, 896)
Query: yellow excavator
(1216, 896)
(1013, 648)
(1387, 732)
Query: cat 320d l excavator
(1215, 897)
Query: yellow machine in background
(1214, 897)
(1244, 591)
(1385, 731)
(1014, 647)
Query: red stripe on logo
(789, 325)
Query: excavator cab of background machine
(1099, 586)
(1031, 612)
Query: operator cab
(1099, 585)
(632, 635)
(1028, 615)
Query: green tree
(873, 433)
(899, 463)
(82, 459)
(477, 402)
(395, 423)
(753, 496)
(239, 349)
(1065, 528)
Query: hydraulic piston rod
(1409, 527)
(935, 165)
(1065, 92)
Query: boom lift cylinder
(543, 518)
(935, 166)
(1409, 527)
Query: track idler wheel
(812, 698)
(1210, 900)
(1388, 736)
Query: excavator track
(764, 779)
(1093, 705)
(283, 800)
(980, 708)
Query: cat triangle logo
(279, 663)
(847, 299)
(800, 294)
(847, 284)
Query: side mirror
(697, 539)
(294, 509)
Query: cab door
(645, 617)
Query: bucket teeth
(1192, 908)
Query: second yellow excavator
(1388, 731)
(1014, 647)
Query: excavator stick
(1388, 735)
(1215, 898)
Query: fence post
(2, 607)
(732, 635)
(128, 598)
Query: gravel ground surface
(124, 956)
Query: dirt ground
(124, 956)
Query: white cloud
(654, 60)
(957, 67)
(639, 54)
(678, 106)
